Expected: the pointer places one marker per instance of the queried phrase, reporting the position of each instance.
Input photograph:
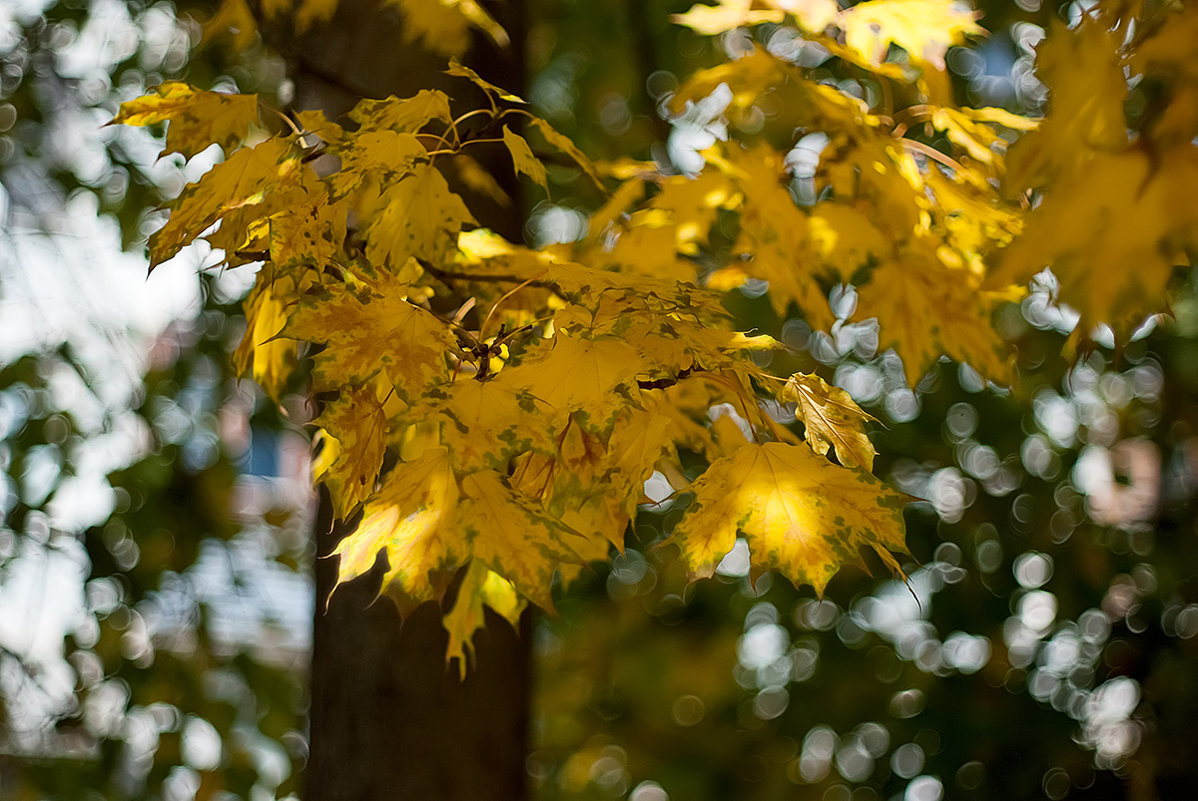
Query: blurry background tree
(154, 514)
(1048, 649)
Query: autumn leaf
(303, 13)
(773, 234)
(197, 118)
(761, 75)
(444, 26)
(924, 28)
(638, 442)
(410, 518)
(1084, 73)
(262, 354)
(812, 15)
(418, 216)
(460, 70)
(513, 535)
(480, 588)
(726, 15)
(403, 115)
(591, 379)
(831, 419)
(563, 143)
(378, 157)
(801, 514)
(370, 329)
(233, 18)
(523, 158)
(255, 177)
(693, 205)
(485, 423)
(355, 428)
(1112, 233)
(900, 296)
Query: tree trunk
(388, 719)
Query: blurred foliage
(1037, 652)
(1044, 645)
(181, 672)
(153, 651)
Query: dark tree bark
(388, 718)
(389, 721)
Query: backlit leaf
(356, 425)
(831, 419)
(408, 518)
(513, 535)
(197, 118)
(523, 158)
(485, 423)
(371, 329)
(801, 514)
(924, 28)
(416, 217)
(480, 588)
(251, 177)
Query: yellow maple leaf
(647, 245)
(304, 12)
(232, 18)
(256, 176)
(309, 231)
(403, 115)
(591, 379)
(373, 158)
(801, 514)
(480, 588)
(879, 177)
(1083, 69)
(357, 425)
(590, 287)
(726, 15)
(831, 419)
(610, 213)
(924, 28)
(460, 70)
(410, 517)
(485, 423)
(812, 15)
(563, 143)
(639, 440)
(900, 294)
(196, 118)
(774, 233)
(1112, 234)
(370, 329)
(313, 121)
(523, 159)
(570, 485)
(444, 25)
(1168, 53)
(749, 77)
(973, 218)
(693, 205)
(416, 217)
(593, 483)
(262, 353)
(842, 239)
(514, 535)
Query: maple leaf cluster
(495, 410)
